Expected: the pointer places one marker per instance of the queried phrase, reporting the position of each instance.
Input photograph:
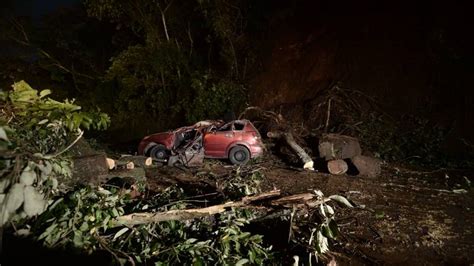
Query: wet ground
(404, 217)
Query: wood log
(367, 166)
(139, 161)
(290, 140)
(110, 163)
(297, 200)
(337, 167)
(124, 165)
(335, 146)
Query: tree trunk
(337, 167)
(290, 140)
(335, 146)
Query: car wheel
(239, 155)
(159, 152)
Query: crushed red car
(238, 141)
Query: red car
(238, 140)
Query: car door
(217, 141)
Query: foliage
(241, 182)
(35, 131)
(213, 100)
(183, 63)
(85, 220)
(314, 230)
(410, 139)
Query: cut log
(129, 162)
(139, 161)
(290, 140)
(124, 165)
(337, 167)
(367, 166)
(110, 163)
(335, 146)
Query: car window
(239, 126)
(226, 127)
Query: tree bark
(290, 140)
(335, 146)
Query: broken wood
(337, 167)
(290, 140)
(336, 146)
(297, 200)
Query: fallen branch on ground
(267, 200)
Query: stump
(335, 147)
(367, 166)
(337, 167)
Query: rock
(335, 146)
(337, 167)
(367, 166)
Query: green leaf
(322, 245)
(44, 121)
(379, 214)
(3, 134)
(334, 228)
(342, 200)
(28, 176)
(45, 93)
(34, 202)
(120, 232)
(14, 198)
(84, 227)
(327, 232)
(4, 183)
(241, 262)
(78, 239)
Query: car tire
(159, 152)
(239, 155)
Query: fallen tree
(278, 128)
(290, 140)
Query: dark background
(413, 57)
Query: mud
(402, 217)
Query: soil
(402, 217)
